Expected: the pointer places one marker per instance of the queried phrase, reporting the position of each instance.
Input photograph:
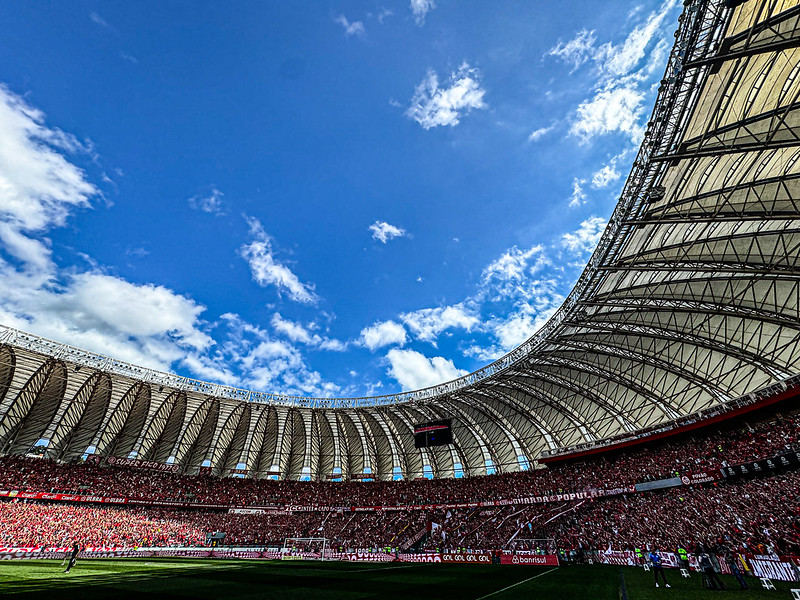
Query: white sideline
(518, 583)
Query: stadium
(655, 412)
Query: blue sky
(325, 199)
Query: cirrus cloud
(267, 270)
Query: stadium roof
(690, 301)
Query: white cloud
(620, 60)
(523, 324)
(578, 196)
(618, 109)
(413, 370)
(518, 329)
(34, 254)
(537, 134)
(97, 19)
(210, 203)
(39, 187)
(104, 302)
(384, 14)
(433, 106)
(543, 301)
(657, 57)
(576, 51)
(382, 334)
(354, 28)
(275, 364)
(616, 104)
(129, 57)
(506, 276)
(383, 231)
(137, 252)
(270, 364)
(607, 175)
(585, 238)
(291, 329)
(144, 324)
(420, 8)
(149, 325)
(532, 309)
(266, 270)
(512, 286)
(333, 345)
(614, 61)
(427, 323)
(304, 334)
(208, 368)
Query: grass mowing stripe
(518, 583)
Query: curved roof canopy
(691, 300)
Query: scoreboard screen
(433, 433)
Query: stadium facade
(690, 303)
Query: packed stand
(759, 516)
(667, 460)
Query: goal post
(301, 547)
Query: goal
(308, 548)
(536, 545)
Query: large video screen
(433, 433)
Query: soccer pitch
(223, 578)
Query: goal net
(534, 545)
(308, 548)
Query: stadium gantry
(689, 304)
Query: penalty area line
(518, 583)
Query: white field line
(518, 583)
(393, 568)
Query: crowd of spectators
(710, 451)
(46, 525)
(760, 514)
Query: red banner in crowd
(538, 560)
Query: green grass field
(186, 578)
